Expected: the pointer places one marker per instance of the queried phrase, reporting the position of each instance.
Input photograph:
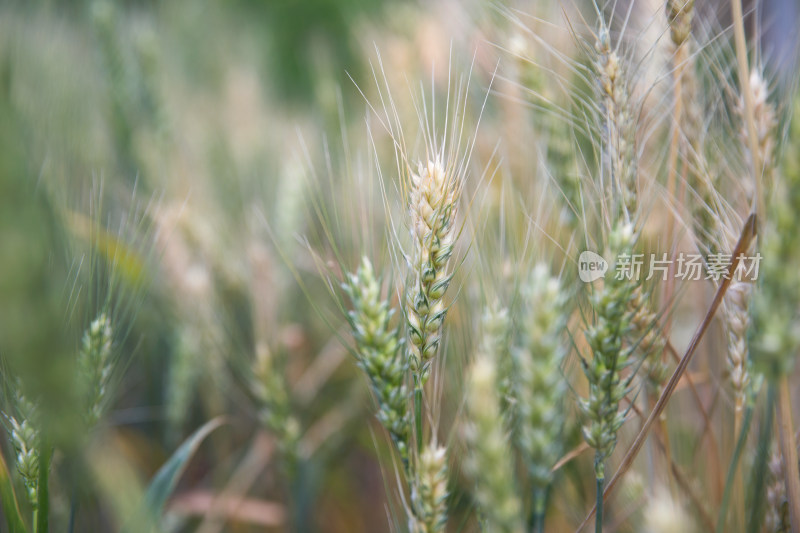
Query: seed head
(94, 361)
(269, 389)
(618, 130)
(495, 343)
(488, 462)
(766, 124)
(429, 493)
(679, 16)
(737, 320)
(433, 205)
(647, 338)
(776, 330)
(540, 387)
(25, 441)
(378, 353)
(610, 356)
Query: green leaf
(165, 480)
(9, 501)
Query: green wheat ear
(95, 366)
(489, 463)
(607, 387)
(495, 342)
(540, 387)
(776, 330)
(25, 439)
(378, 349)
(269, 388)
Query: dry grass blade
(789, 450)
(706, 432)
(744, 71)
(747, 235)
(245, 510)
(227, 504)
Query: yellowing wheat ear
(429, 494)
(433, 201)
(619, 128)
(679, 16)
(766, 124)
(433, 205)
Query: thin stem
(749, 106)
(734, 471)
(789, 451)
(600, 478)
(537, 518)
(663, 429)
(738, 486)
(760, 466)
(73, 509)
(418, 410)
(598, 519)
(41, 519)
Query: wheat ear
(25, 439)
(433, 206)
(94, 363)
(378, 353)
(488, 461)
(540, 387)
(429, 492)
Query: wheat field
(399, 266)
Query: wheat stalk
(610, 357)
